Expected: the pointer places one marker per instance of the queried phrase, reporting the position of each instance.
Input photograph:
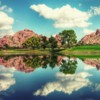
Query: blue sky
(49, 17)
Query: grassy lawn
(23, 52)
(87, 47)
(82, 50)
(93, 50)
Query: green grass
(82, 50)
(87, 47)
(87, 56)
(23, 52)
(74, 51)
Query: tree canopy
(44, 42)
(33, 42)
(68, 38)
(52, 42)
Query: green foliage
(38, 61)
(33, 61)
(87, 47)
(33, 42)
(52, 61)
(6, 46)
(68, 67)
(68, 38)
(52, 42)
(45, 42)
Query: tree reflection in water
(69, 66)
(28, 64)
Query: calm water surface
(49, 78)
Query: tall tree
(44, 42)
(69, 38)
(33, 42)
(52, 42)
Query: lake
(49, 77)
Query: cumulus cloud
(64, 17)
(87, 31)
(95, 10)
(96, 87)
(66, 83)
(6, 9)
(5, 21)
(88, 67)
(6, 32)
(6, 82)
(6, 78)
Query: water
(49, 78)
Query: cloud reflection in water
(6, 78)
(65, 83)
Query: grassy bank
(92, 50)
(23, 52)
(82, 50)
(87, 47)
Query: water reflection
(65, 83)
(27, 64)
(68, 66)
(92, 62)
(69, 81)
(30, 63)
(6, 78)
(45, 75)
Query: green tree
(68, 67)
(68, 38)
(52, 42)
(6, 46)
(44, 42)
(33, 42)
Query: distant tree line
(68, 39)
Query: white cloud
(64, 17)
(6, 8)
(6, 82)
(66, 83)
(6, 70)
(6, 22)
(88, 67)
(6, 78)
(6, 32)
(96, 87)
(88, 31)
(95, 10)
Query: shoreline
(23, 52)
(66, 52)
